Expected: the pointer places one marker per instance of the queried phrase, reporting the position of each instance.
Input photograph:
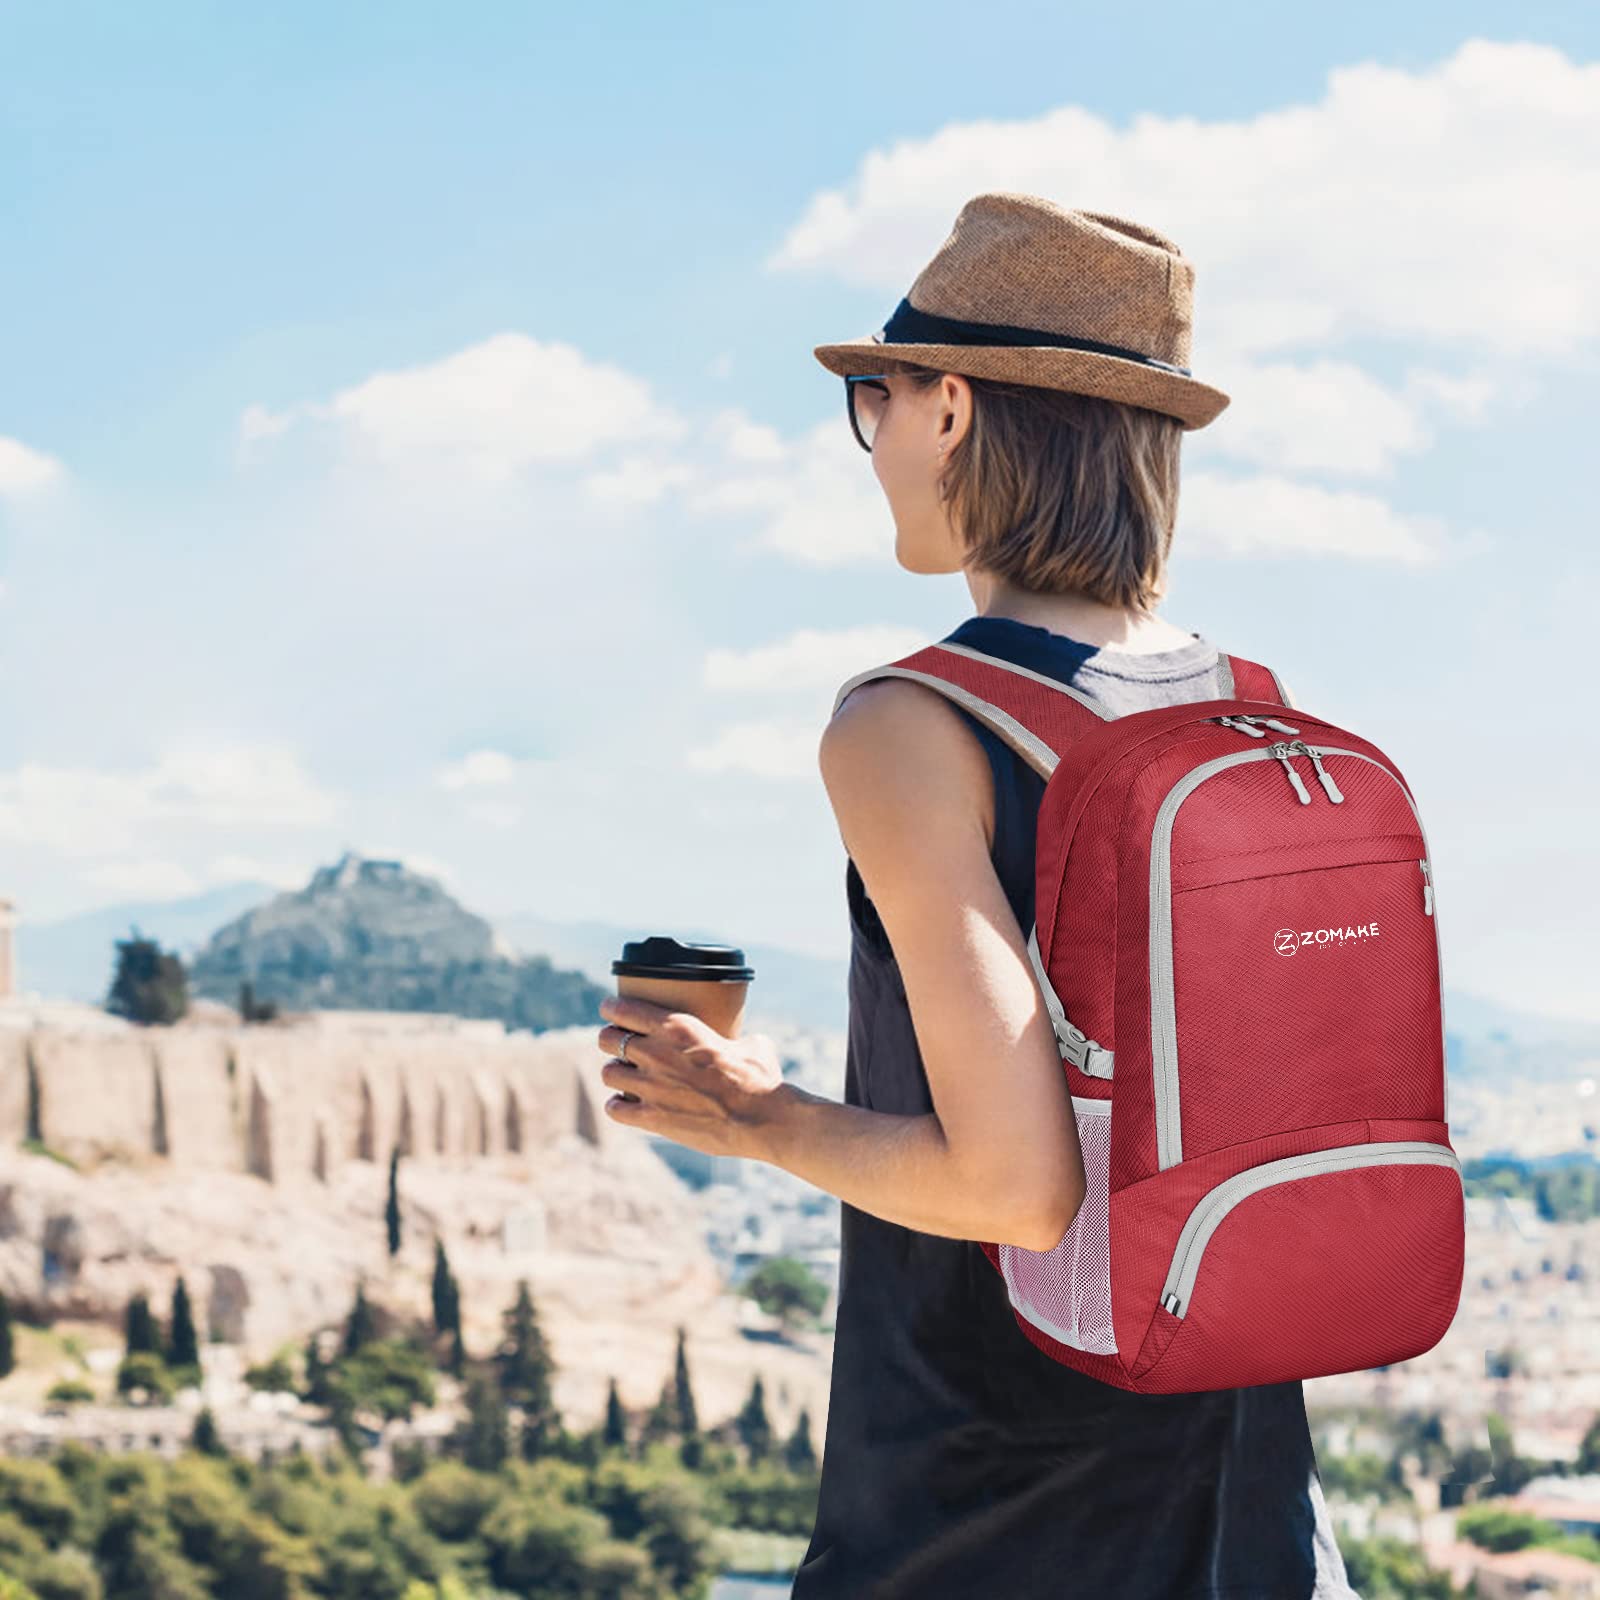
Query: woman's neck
(1106, 627)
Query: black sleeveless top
(961, 1461)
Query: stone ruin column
(8, 950)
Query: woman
(1026, 433)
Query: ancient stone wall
(297, 1101)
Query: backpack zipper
(1243, 722)
(1217, 1202)
(1163, 1011)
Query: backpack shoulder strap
(1038, 716)
(1252, 681)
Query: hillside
(374, 936)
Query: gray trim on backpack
(1029, 746)
(1075, 1045)
(1283, 694)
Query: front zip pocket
(1207, 1216)
(1224, 1002)
(1331, 1260)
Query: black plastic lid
(662, 956)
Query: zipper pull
(1272, 722)
(1427, 887)
(1241, 725)
(1322, 772)
(1283, 752)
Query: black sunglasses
(865, 414)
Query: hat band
(911, 326)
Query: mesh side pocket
(1065, 1291)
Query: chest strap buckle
(1089, 1057)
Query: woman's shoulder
(896, 735)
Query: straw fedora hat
(1027, 291)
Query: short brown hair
(1058, 491)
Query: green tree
(149, 985)
(1499, 1528)
(145, 1372)
(753, 1425)
(526, 1368)
(1589, 1450)
(183, 1344)
(798, 1453)
(616, 1427)
(683, 1390)
(8, 1346)
(1386, 1568)
(391, 1210)
(389, 1376)
(485, 1437)
(458, 1353)
(660, 1419)
(786, 1289)
(361, 1326)
(446, 1293)
(316, 1384)
(141, 1334)
(205, 1438)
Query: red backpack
(1235, 938)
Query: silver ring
(622, 1049)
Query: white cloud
(489, 411)
(808, 659)
(763, 748)
(1450, 210)
(819, 504)
(480, 769)
(83, 812)
(638, 481)
(740, 438)
(1270, 515)
(26, 471)
(1453, 204)
(1322, 415)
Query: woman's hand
(694, 1085)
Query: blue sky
(410, 438)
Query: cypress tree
(183, 1344)
(754, 1428)
(316, 1389)
(8, 1345)
(616, 1428)
(486, 1442)
(525, 1372)
(446, 1293)
(140, 1332)
(205, 1438)
(798, 1453)
(458, 1353)
(688, 1422)
(360, 1328)
(660, 1419)
(391, 1210)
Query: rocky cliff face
(373, 935)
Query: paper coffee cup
(710, 981)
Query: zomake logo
(1287, 940)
